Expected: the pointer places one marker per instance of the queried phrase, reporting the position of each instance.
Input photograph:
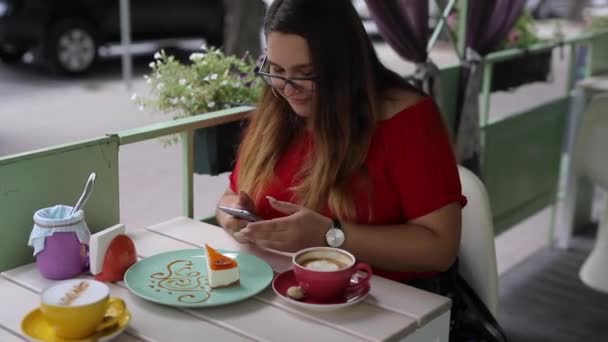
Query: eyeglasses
(300, 84)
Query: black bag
(470, 319)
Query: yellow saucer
(35, 326)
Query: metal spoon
(86, 193)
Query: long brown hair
(350, 82)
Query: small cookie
(295, 292)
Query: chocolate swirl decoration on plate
(180, 277)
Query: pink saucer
(285, 280)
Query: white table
(392, 311)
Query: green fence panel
(522, 162)
(44, 178)
(449, 83)
(598, 58)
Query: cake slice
(222, 271)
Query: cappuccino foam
(324, 261)
(75, 292)
(323, 265)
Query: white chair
(590, 158)
(477, 257)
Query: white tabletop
(391, 311)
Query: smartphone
(240, 213)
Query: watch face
(335, 237)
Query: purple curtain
(488, 23)
(404, 24)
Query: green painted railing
(522, 153)
(185, 127)
(598, 57)
(38, 179)
(47, 177)
(449, 83)
(521, 162)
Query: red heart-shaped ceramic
(119, 256)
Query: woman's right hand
(233, 224)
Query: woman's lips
(298, 101)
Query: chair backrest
(590, 155)
(477, 257)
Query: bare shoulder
(396, 100)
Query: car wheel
(11, 57)
(71, 47)
(214, 40)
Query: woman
(343, 152)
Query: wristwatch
(335, 235)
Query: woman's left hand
(301, 228)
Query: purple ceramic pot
(63, 256)
(59, 238)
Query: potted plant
(524, 69)
(211, 81)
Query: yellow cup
(78, 308)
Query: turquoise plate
(179, 278)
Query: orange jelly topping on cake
(218, 261)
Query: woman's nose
(289, 89)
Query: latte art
(323, 264)
(75, 292)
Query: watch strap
(336, 224)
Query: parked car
(570, 9)
(66, 34)
(596, 8)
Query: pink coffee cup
(324, 273)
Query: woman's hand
(302, 228)
(232, 224)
